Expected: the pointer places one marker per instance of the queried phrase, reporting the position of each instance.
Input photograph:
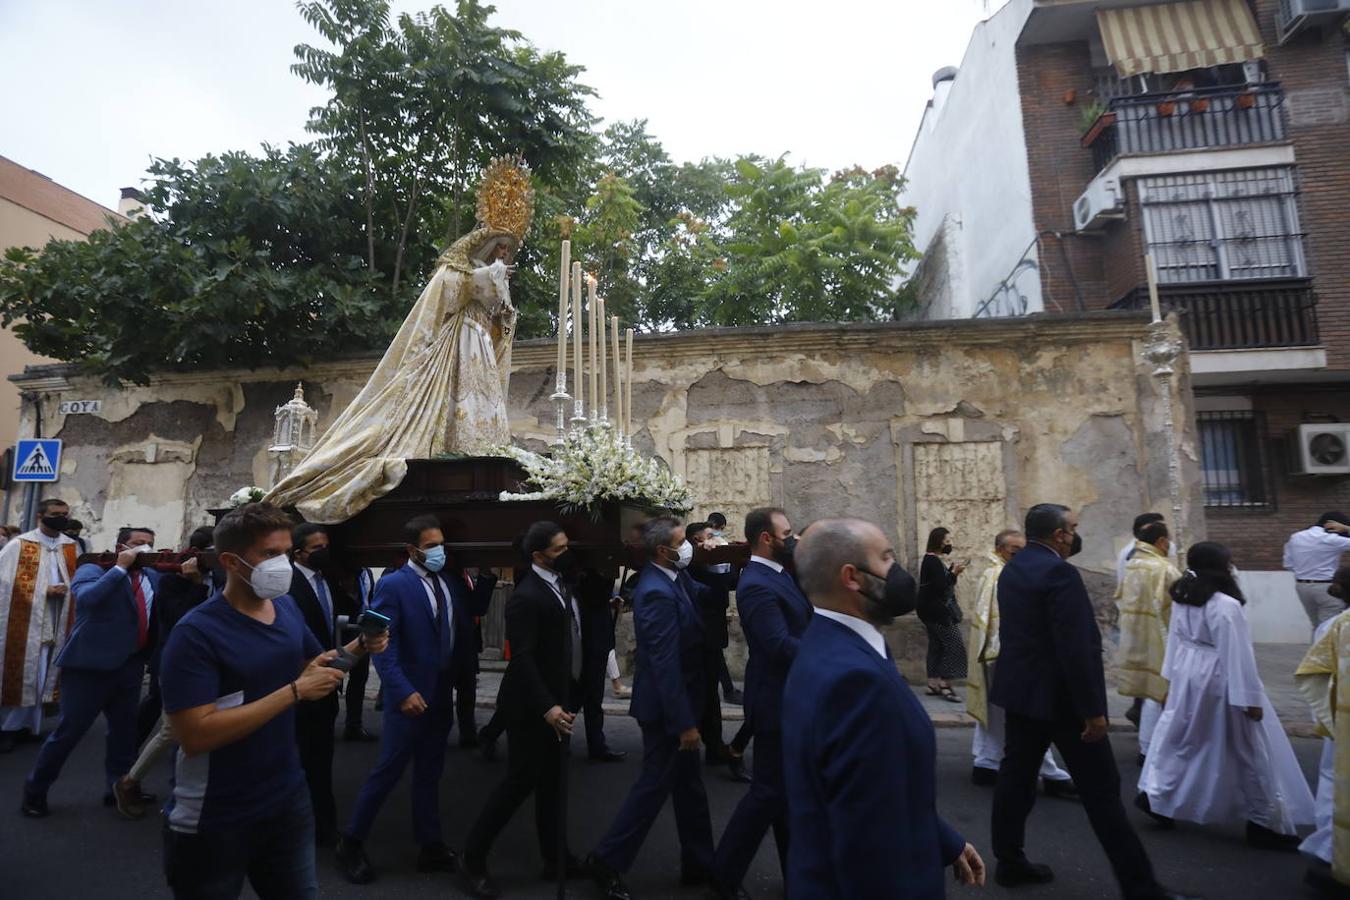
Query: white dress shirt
(313, 578)
(764, 561)
(431, 592)
(1314, 553)
(550, 578)
(863, 628)
(147, 588)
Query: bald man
(859, 752)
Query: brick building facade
(1234, 176)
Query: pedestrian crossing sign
(37, 460)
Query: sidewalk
(1276, 662)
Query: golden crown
(505, 197)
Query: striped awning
(1173, 37)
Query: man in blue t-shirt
(232, 673)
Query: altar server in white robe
(1219, 753)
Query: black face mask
(565, 563)
(320, 559)
(783, 555)
(946, 548)
(889, 597)
(56, 523)
(1077, 546)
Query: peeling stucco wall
(962, 424)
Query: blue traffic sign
(37, 460)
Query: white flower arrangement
(250, 494)
(593, 466)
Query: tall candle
(590, 303)
(604, 363)
(628, 386)
(562, 313)
(579, 390)
(618, 375)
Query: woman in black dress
(941, 616)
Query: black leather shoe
(1064, 789)
(1013, 873)
(34, 806)
(1141, 803)
(608, 756)
(352, 861)
(478, 884)
(359, 735)
(983, 777)
(437, 858)
(1263, 838)
(736, 770)
(606, 879)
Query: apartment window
(1232, 463)
(1222, 226)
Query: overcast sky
(93, 89)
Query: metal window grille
(1222, 226)
(1232, 459)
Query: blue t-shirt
(216, 654)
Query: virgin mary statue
(441, 386)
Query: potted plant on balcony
(1199, 105)
(1094, 119)
(1167, 109)
(1245, 100)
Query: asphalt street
(84, 850)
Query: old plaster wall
(912, 425)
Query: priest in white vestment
(1219, 753)
(36, 614)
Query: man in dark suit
(469, 638)
(595, 598)
(355, 693)
(428, 616)
(774, 613)
(102, 665)
(543, 624)
(1049, 680)
(716, 600)
(859, 752)
(667, 700)
(321, 601)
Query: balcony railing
(1238, 315)
(1197, 119)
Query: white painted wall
(1273, 609)
(968, 168)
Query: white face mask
(686, 555)
(270, 578)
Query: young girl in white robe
(1219, 753)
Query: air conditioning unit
(1102, 202)
(1297, 16)
(1321, 449)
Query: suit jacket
(1050, 649)
(859, 761)
(774, 613)
(539, 675)
(175, 596)
(594, 592)
(411, 662)
(104, 637)
(318, 622)
(716, 601)
(475, 602)
(668, 684)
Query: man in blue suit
(774, 613)
(859, 752)
(102, 666)
(1049, 681)
(667, 703)
(430, 620)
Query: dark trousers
(356, 692)
(421, 741)
(763, 807)
(152, 705)
(466, 697)
(533, 766)
(276, 855)
(314, 722)
(495, 726)
(588, 695)
(1098, 781)
(724, 673)
(667, 771)
(743, 736)
(85, 695)
(710, 727)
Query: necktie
(325, 604)
(142, 620)
(575, 630)
(444, 626)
